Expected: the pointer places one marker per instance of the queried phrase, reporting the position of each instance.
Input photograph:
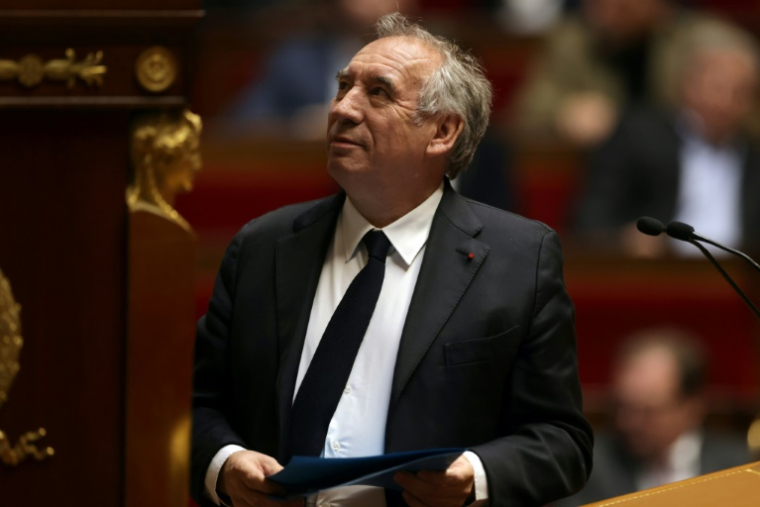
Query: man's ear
(446, 134)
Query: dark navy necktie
(327, 375)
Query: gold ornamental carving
(31, 70)
(156, 69)
(165, 156)
(11, 343)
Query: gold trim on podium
(31, 70)
(734, 487)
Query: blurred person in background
(696, 164)
(658, 385)
(292, 95)
(526, 16)
(613, 53)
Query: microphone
(650, 226)
(682, 231)
(685, 232)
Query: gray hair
(458, 86)
(718, 36)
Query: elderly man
(395, 315)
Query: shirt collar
(690, 127)
(407, 235)
(684, 452)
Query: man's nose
(349, 107)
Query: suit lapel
(299, 260)
(446, 273)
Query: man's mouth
(343, 140)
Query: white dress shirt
(709, 193)
(682, 463)
(358, 425)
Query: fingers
(413, 501)
(438, 488)
(269, 465)
(418, 487)
(268, 487)
(244, 480)
(459, 472)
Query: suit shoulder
(506, 221)
(283, 220)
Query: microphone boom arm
(723, 272)
(727, 249)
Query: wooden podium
(735, 487)
(96, 301)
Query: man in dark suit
(470, 342)
(697, 165)
(658, 435)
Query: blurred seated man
(594, 65)
(696, 164)
(292, 95)
(658, 386)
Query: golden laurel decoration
(11, 343)
(31, 70)
(156, 69)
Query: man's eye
(342, 85)
(378, 91)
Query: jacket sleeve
(546, 453)
(211, 430)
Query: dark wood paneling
(62, 245)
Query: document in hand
(303, 476)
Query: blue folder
(306, 475)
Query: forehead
(400, 59)
(731, 62)
(650, 371)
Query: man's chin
(340, 167)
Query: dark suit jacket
(487, 358)
(616, 469)
(637, 173)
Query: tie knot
(377, 244)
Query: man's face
(372, 136)
(651, 414)
(721, 90)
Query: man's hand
(243, 478)
(449, 488)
